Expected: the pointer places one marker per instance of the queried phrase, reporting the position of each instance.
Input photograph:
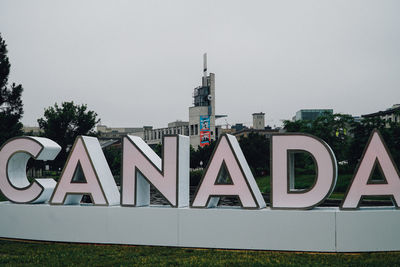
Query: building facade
(310, 114)
(259, 121)
(110, 133)
(391, 114)
(202, 128)
(147, 133)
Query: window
(196, 129)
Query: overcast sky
(136, 62)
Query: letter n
(142, 166)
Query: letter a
(86, 159)
(142, 166)
(374, 153)
(229, 155)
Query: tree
(63, 124)
(11, 108)
(390, 132)
(113, 156)
(158, 149)
(348, 138)
(202, 154)
(332, 128)
(256, 149)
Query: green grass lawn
(306, 181)
(18, 253)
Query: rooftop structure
(391, 114)
(259, 121)
(310, 114)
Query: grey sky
(136, 62)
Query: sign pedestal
(320, 229)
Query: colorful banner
(205, 134)
(204, 123)
(205, 138)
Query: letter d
(284, 196)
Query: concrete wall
(320, 229)
(259, 121)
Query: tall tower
(202, 113)
(259, 121)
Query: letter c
(14, 156)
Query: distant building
(246, 132)
(155, 136)
(239, 130)
(238, 127)
(311, 114)
(259, 121)
(31, 130)
(202, 128)
(391, 114)
(147, 133)
(107, 132)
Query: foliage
(202, 154)
(332, 128)
(195, 177)
(158, 149)
(113, 156)
(348, 138)
(390, 132)
(64, 123)
(306, 181)
(256, 150)
(13, 253)
(11, 108)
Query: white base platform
(320, 229)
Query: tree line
(348, 137)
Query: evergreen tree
(11, 108)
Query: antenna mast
(205, 69)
